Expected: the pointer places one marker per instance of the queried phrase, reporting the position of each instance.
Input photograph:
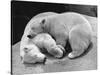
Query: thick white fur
(44, 40)
(64, 26)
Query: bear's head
(32, 54)
(37, 26)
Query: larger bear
(65, 26)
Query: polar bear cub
(31, 52)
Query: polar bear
(69, 26)
(32, 51)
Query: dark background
(22, 12)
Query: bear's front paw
(71, 55)
(57, 52)
(75, 54)
(62, 48)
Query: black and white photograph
(53, 37)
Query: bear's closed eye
(29, 36)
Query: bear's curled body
(62, 27)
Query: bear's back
(42, 40)
(60, 23)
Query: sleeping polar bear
(69, 26)
(31, 52)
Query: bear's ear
(43, 23)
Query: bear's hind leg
(79, 40)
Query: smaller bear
(31, 53)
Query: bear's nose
(29, 36)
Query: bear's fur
(65, 26)
(45, 41)
(31, 52)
